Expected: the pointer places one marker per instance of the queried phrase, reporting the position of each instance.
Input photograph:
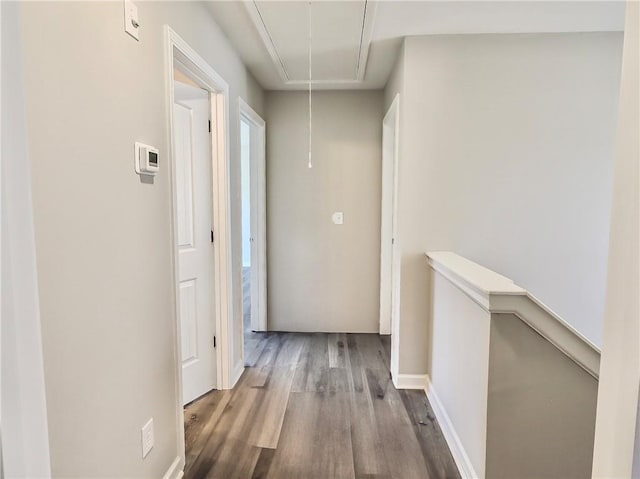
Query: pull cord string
(310, 70)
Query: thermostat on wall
(146, 159)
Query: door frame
(389, 245)
(179, 53)
(258, 186)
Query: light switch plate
(147, 438)
(131, 24)
(337, 218)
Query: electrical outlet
(337, 218)
(131, 25)
(147, 438)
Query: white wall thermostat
(147, 158)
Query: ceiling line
(364, 20)
(368, 22)
(274, 49)
(324, 82)
(366, 34)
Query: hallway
(315, 406)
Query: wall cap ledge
(498, 294)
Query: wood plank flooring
(252, 341)
(315, 406)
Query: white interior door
(390, 248)
(194, 234)
(258, 313)
(388, 243)
(255, 126)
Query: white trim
(368, 22)
(388, 223)
(390, 277)
(237, 373)
(177, 49)
(175, 470)
(498, 294)
(477, 282)
(199, 69)
(460, 456)
(369, 16)
(554, 329)
(250, 113)
(258, 215)
(323, 83)
(396, 263)
(256, 18)
(410, 381)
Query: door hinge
(212, 236)
(214, 341)
(209, 126)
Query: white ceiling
(336, 38)
(355, 43)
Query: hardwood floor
(251, 339)
(315, 406)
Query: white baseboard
(175, 470)
(451, 436)
(237, 372)
(410, 381)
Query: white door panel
(195, 250)
(390, 247)
(188, 330)
(257, 155)
(184, 176)
(257, 192)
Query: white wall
(245, 160)
(321, 276)
(618, 393)
(104, 254)
(506, 157)
(25, 441)
(395, 84)
(460, 373)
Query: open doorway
(194, 235)
(389, 246)
(198, 160)
(245, 159)
(253, 196)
